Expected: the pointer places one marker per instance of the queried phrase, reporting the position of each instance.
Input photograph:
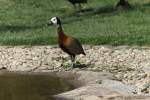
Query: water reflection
(31, 87)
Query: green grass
(23, 22)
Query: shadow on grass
(86, 10)
(143, 8)
(86, 13)
(94, 11)
(146, 5)
(17, 28)
(104, 10)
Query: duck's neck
(60, 32)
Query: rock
(88, 77)
(118, 86)
(94, 86)
(91, 97)
(80, 93)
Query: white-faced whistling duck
(68, 44)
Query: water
(31, 87)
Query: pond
(31, 87)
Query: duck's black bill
(49, 24)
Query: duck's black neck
(60, 30)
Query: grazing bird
(68, 44)
(123, 4)
(79, 2)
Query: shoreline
(130, 65)
(90, 85)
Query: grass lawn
(23, 22)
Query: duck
(79, 2)
(68, 44)
(123, 4)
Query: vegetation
(23, 22)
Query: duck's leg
(72, 61)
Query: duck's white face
(54, 21)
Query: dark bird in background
(79, 2)
(68, 44)
(124, 4)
